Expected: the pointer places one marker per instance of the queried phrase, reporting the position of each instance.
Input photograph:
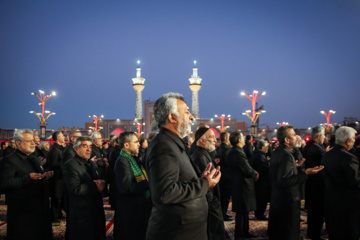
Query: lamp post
(222, 118)
(327, 115)
(139, 125)
(255, 113)
(282, 124)
(41, 116)
(96, 119)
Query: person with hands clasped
(84, 188)
(25, 184)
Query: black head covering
(200, 132)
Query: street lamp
(282, 124)
(41, 116)
(96, 119)
(222, 118)
(255, 113)
(139, 125)
(327, 115)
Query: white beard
(182, 128)
(209, 147)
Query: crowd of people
(174, 185)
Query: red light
(307, 139)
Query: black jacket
(201, 158)
(100, 163)
(342, 193)
(9, 150)
(284, 218)
(132, 207)
(178, 193)
(54, 160)
(314, 186)
(86, 211)
(69, 153)
(263, 184)
(243, 189)
(27, 200)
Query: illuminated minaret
(138, 85)
(195, 85)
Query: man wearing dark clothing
(86, 211)
(69, 151)
(243, 191)
(25, 184)
(68, 154)
(342, 188)
(225, 181)
(205, 140)
(113, 156)
(133, 195)
(284, 219)
(57, 185)
(10, 149)
(45, 147)
(261, 164)
(249, 148)
(314, 186)
(100, 159)
(178, 191)
(37, 151)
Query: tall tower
(138, 85)
(195, 85)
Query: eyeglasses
(134, 142)
(28, 140)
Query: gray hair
(18, 135)
(42, 144)
(94, 135)
(343, 134)
(78, 141)
(261, 143)
(165, 105)
(202, 137)
(71, 133)
(316, 131)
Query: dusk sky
(304, 53)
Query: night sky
(305, 54)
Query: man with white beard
(205, 141)
(178, 190)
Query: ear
(172, 118)
(126, 145)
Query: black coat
(53, 160)
(243, 189)
(9, 150)
(178, 194)
(86, 211)
(132, 207)
(27, 200)
(69, 153)
(314, 186)
(249, 151)
(263, 184)
(284, 220)
(100, 163)
(201, 159)
(222, 153)
(113, 156)
(342, 193)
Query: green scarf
(139, 171)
